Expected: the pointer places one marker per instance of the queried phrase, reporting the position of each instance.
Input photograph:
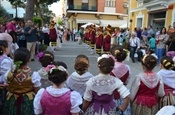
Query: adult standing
(53, 36)
(74, 34)
(161, 40)
(11, 28)
(171, 30)
(134, 46)
(45, 30)
(170, 46)
(150, 32)
(30, 32)
(20, 35)
(107, 39)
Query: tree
(3, 15)
(16, 4)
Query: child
(55, 99)
(146, 88)
(22, 87)
(98, 97)
(152, 43)
(121, 71)
(45, 58)
(167, 110)
(168, 76)
(6, 64)
(76, 81)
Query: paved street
(70, 50)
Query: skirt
(128, 109)
(143, 109)
(90, 111)
(3, 92)
(167, 100)
(26, 108)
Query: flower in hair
(103, 56)
(50, 68)
(39, 55)
(143, 60)
(116, 52)
(17, 65)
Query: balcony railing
(147, 1)
(82, 8)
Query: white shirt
(45, 30)
(134, 42)
(77, 82)
(75, 99)
(5, 65)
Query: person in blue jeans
(161, 41)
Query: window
(84, 1)
(139, 4)
(84, 4)
(110, 3)
(139, 22)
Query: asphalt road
(68, 52)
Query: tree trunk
(16, 8)
(29, 10)
(39, 14)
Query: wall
(100, 5)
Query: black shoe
(32, 60)
(133, 60)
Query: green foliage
(60, 22)
(37, 20)
(17, 3)
(3, 15)
(48, 2)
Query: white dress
(77, 82)
(167, 110)
(75, 99)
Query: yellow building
(101, 12)
(158, 13)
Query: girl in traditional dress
(98, 97)
(22, 85)
(76, 81)
(146, 88)
(55, 99)
(45, 58)
(6, 64)
(99, 41)
(121, 71)
(168, 76)
(107, 39)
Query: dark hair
(22, 54)
(150, 26)
(172, 37)
(145, 28)
(81, 64)
(119, 53)
(106, 65)
(167, 62)
(149, 61)
(3, 45)
(153, 35)
(162, 29)
(16, 19)
(57, 76)
(46, 59)
(60, 63)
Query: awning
(87, 21)
(113, 23)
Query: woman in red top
(146, 88)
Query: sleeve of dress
(135, 87)
(36, 79)
(129, 77)
(5, 66)
(161, 91)
(36, 103)
(88, 92)
(123, 91)
(76, 101)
